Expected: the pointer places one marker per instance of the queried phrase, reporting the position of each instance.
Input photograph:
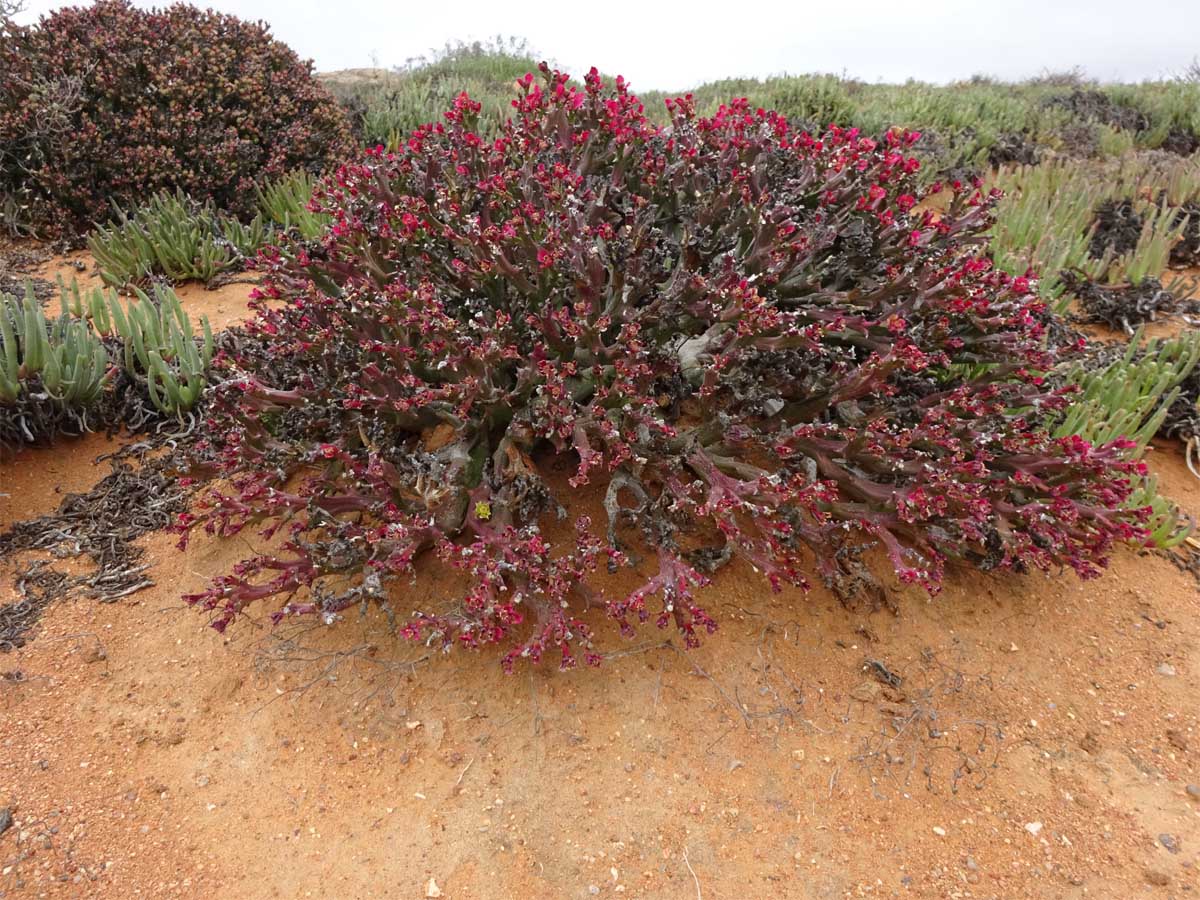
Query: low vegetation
(103, 106)
(750, 338)
(732, 330)
(173, 238)
(966, 128)
(100, 363)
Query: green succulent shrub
(160, 351)
(102, 106)
(1129, 398)
(285, 203)
(174, 237)
(101, 362)
(52, 373)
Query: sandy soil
(223, 306)
(1041, 744)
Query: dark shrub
(1118, 227)
(744, 333)
(108, 104)
(1100, 107)
(1181, 141)
(1187, 251)
(1013, 148)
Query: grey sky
(676, 45)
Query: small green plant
(57, 375)
(1130, 396)
(93, 305)
(1044, 222)
(1129, 399)
(160, 349)
(1162, 228)
(1168, 526)
(173, 237)
(1114, 142)
(285, 203)
(52, 374)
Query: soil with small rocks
(1014, 736)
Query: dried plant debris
(1080, 138)
(101, 524)
(1187, 251)
(1181, 141)
(1016, 148)
(1183, 417)
(1124, 307)
(1065, 340)
(1092, 104)
(37, 587)
(1118, 226)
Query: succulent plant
(52, 374)
(93, 305)
(1168, 526)
(285, 202)
(160, 349)
(757, 340)
(104, 104)
(172, 236)
(1129, 399)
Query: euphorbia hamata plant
(748, 336)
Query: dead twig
(695, 878)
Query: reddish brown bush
(104, 106)
(752, 336)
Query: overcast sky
(676, 45)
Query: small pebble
(1193, 791)
(1155, 876)
(939, 830)
(1165, 669)
(1034, 828)
(1170, 842)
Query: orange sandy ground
(1039, 746)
